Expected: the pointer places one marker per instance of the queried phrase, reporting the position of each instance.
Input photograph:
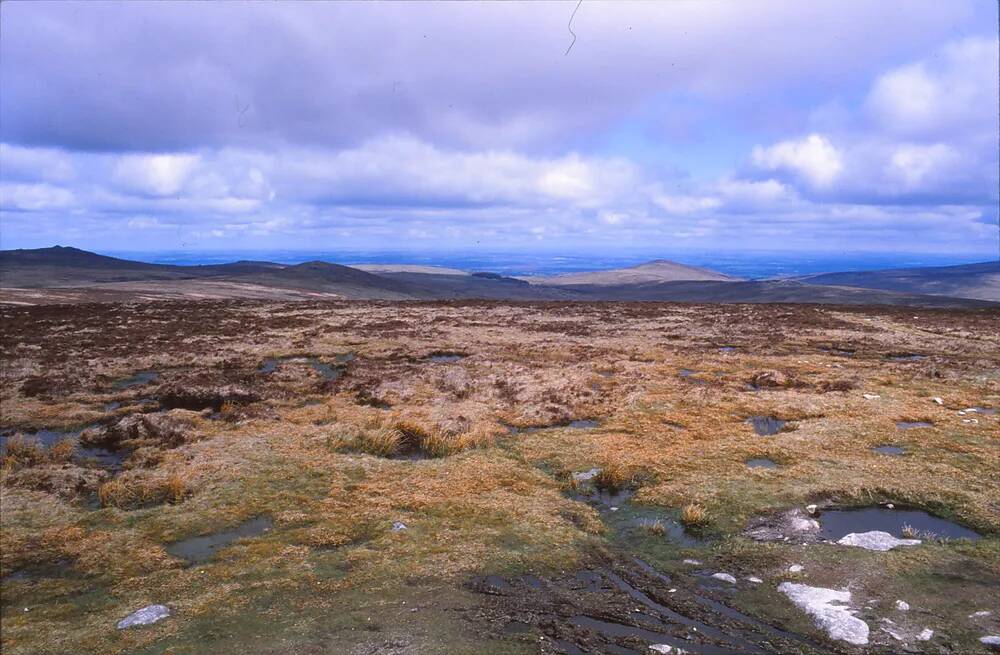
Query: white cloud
(913, 165)
(813, 158)
(160, 175)
(34, 197)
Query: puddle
(761, 463)
(112, 406)
(203, 548)
(836, 523)
(612, 629)
(909, 425)
(988, 411)
(576, 424)
(138, 379)
(766, 425)
(838, 352)
(112, 460)
(893, 451)
(727, 349)
(444, 357)
(328, 371)
(905, 357)
(689, 375)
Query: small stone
(398, 526)
(890, 506)
(980, 613)
(145, 616)
(875, 540)
(902, 605)
(938, 400)
(672, 591)
(990, 640)
(692, 562)
(871, 396)
(971, 421)
(795, 568)
(725, 577)
(661, 648)
(754, 579)
(811, 509)
(925, 635)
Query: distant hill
(980, 281)
(408, 268)
(62, 274)
(660, 270)
(64, 266)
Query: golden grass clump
(693, 515)
(657, 527)
(614, 476)
(23, 452)
(130, 493)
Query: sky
(838, 125)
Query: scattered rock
(784, 526)
(925, 635)
(871, 396)
(197, 397)
(938, 401)
(398, 526)
(725, 577)
(811, 508)
(980, 613)
(167, 429)
(902, 605)
(754, 579)
(145, 616)
(993, 641)
(664, 648)
(827, 607)
(585, 476)
(875, 540)
(692, 562)
(795, 568)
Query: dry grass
(614, 476)
(498, 505)
(693, 515)
(130, 492)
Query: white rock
(795, 568)
(971, 421)
(725, 577)
(980, 613)
(584, 476)
(398, 526)
(811, 509)
(925, 635)
(145, 616)
(803, 525)
(667, 648)
(827, 608)
(875, 540)
(961, 413)
(754, 579)
(870, 396)
(970, 410)
(692, 562)
(990, 640)
(938, 400)
(902, 605)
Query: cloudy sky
(839, 125)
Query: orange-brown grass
(131, 492)
(614, 476)
(693, 515)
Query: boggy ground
(420, 496)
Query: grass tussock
(24, 452)
(694, 515)
(130, 493)
(614, 476)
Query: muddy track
(624, 607)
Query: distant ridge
(660, 270)
(981, 281)
(62, 274)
